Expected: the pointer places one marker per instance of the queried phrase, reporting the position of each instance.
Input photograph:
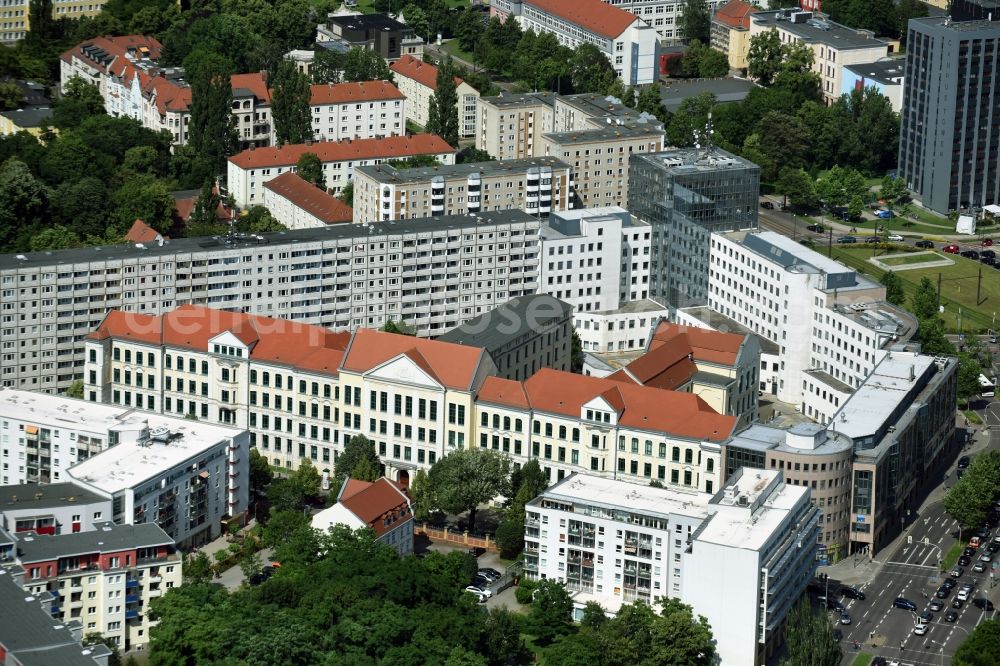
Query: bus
(985, 387)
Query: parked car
(992, 547)
(957, 572)
(491, 575)
(949, 583)
(873, 239)
(895, 238)
(920, 628)
(834, 605)
(964, 561)
(970, 254)
(904, 603)
(987, 242)
(989, 261)
(963, 462)
(767, 204)
(479, 591)
(853, 593)
(926, 616)
(942, 592)
(817, 228)
(847, 239)
(936, 605)
(926, 244)
(963, 595)
(957, 603)
(988, 253)
(481, 581)
(951, 249)
(845, 618)
(951, 616)
(884, 214)
(983, 603)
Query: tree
(197, 569)
(79, 101)
(638, 635)
(551, 612)
(23, 201)
(361, 64)
(924, 303)
(893, 191)
(261, 474)
(981, 647)
(290, 108)
(443, 112)
(75, 389)
(206, 207)
(688, 122)
(702, 61)
(765, 57)
(365, 471)
(649, 101)
(783, 142)
(398, 327)
(359, 448)
(969, 499)
(248, 559)
(10, 96)
(471, 155)
(347, 194)
(590, 70)
(968, 377)
(594, 616)
(839, 185)
(421, 494)
(509, 536)
(809, 639)
(97, 638)
(281, 527)
(797, 186)
(501, 643)
(212, 128)
(310, 168)
(417, 19)
(695, 20)
(327, 66)
(576, 354)
(466, 478)
(529, 479)
(308, 479)
(468, 29)
(893, 288)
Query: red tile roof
(706, 345)
(392, 147)
(119, 47)
(735, 14)
(453, 365)
(142, 233)
(503, 391)
(315, 201)
(271, 340)
(184, 204)
(422, 72)
(593, 15)
(641, 407)
(255, 82)
(372, 503)
(361, 91)
(669, 361)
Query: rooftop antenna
(703, 137)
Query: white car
(895, 237)
(479, 592)
(964, 594)
(920, 629)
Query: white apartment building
(831, 325)
(249, 170)
(298, 204)
(597, 260)
(741, 557)
(341, 276)
(629, 43)
(538, 186)
(418, 81)
(609, 427)
(357, 110)
(508, 126)
(103, 579)
(834, 45)
(51, 508)
(663, 15)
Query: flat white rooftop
(627, 496)
(57, 410)
(885, 388)
(737, 526)
(802, 253)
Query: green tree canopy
(443, 112)
(212, 128)
(765, 57)
(290, 108)
(797, 185)
(79, 101)
(695, 20)
(361, 64)
(925, 301)
(981, 647)
(310, 168)
(809, 638)
(358, 450)
(893, 288)
(551, 611)
(466, 478)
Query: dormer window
(227, 350)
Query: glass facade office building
(686, 195)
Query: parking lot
(502, 589)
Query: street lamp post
(940, 645)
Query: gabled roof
(315, 201)
(101, 52)
(377, 500)
(592, 15)
(672, 352)
(454, 366)
(422, 72)
(140, 232)
(735, 14)
(391, 147)
(706, 345)
(303, 346)
(254, 83)
(642, 407)
(360, 91)
(502, 391)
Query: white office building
(741, 557)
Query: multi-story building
(522, 336)
(52, 508)
(376, 32)
(28, 631)
(249, 170)
(15, 19)
(950, 123)
(357, 110)
(418, 81)
(887, 76)
(298, 204)
(834, 45)
(686, 195)
(538, 186)
(741, 558)
(594, 134)
(720, 368)
(32, 120)
(730, 31)
(380, 506)
(832, 325)
(400, 280)
(104, 579)
(597, 260)
(576, 423)
(630, 44)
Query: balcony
(131, 583)
(56, 610)
(131, 598)
(154, 593)
(131, 614)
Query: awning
(31, 430)
(203, 475)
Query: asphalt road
(912, 572)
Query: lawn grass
(958, 285)
(863, 659)
(453, 47)
(972, 417)
(912, 258)
(894, 224)
(951, 557)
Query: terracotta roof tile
(255, 82)
(706, 345)
(280, 341)
(361, 91)
(504, 392)
(735, 14)
(142, 233)
(455, 366)
(596, 16)
(422, 72)
(315, 201)
(376, 502)
(392, 147)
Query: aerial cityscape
(499, 332)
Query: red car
(951, 249)
(987, 242)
